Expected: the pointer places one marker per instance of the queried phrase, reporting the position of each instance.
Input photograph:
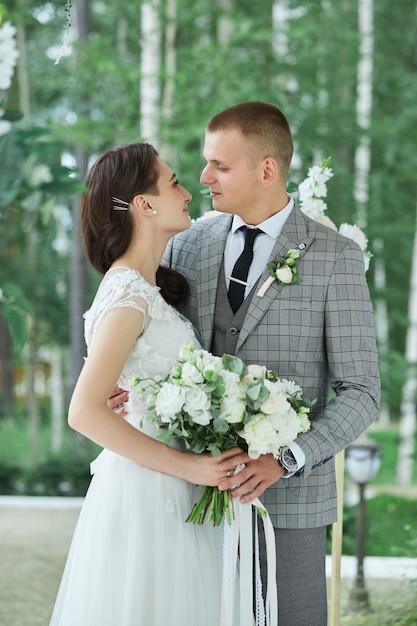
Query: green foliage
(391, 528)
(16, 310)
(66, 474)
(389, 440)
(310, 71)
(30, 218)
(54, 477)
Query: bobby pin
(120, 205)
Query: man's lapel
(294, 235)
(208, 273)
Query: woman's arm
(90, 415)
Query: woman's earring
(154, 211)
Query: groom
(319, 331)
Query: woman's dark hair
(122, 173)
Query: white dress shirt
(262, 247)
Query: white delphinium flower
(313, 188)
(8, 54)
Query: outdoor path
(35, 535)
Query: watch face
(288, 459)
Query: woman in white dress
(133, 559)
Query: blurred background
(78, 79)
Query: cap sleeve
(122, 289)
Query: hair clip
(120, 205)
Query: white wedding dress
(133, 559)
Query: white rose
(290, 387)
(284, 274)
(260, 435)
(326, 221)
(209, 362)
(355, 233)
(254, 372)
(190, 374)
(232, 383)
(232, 410)
(169, 401)
(287, 427)
(197, 405)
(305, 423)
(276, 404)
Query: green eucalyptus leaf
(220, 425)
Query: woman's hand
(206, 469)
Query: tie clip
(241, 282)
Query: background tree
(302, 57)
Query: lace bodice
(157, 348)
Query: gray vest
(227, 324)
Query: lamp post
(363, 460)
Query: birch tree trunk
(409, 397)
(363, 167)
(57, 393)
(364, 110)
(150, 86)
(381, 323)
(225, 22)
(170, 66)
(280, 26)
(78, 277)
(31, 399)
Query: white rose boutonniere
(283, 270)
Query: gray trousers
(301, 575)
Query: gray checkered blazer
(319, 332)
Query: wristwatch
(287, 460)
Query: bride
(133, 559)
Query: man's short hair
(261, 123)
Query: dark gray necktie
(240, 272)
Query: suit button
(233, 331)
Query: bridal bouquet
(215, 403)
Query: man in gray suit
(319, 331)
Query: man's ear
(270, 171)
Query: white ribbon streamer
(238, 538)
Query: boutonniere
(283, 270)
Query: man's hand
(117, 400)
(253, 479)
